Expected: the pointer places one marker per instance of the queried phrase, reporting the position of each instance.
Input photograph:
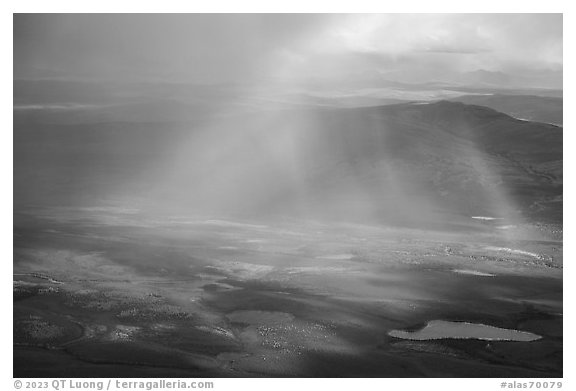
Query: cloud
(182, 46)
(447, 49)
(240, 47)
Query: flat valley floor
(110, 292)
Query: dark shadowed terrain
(547, 109)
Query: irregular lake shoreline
(441, 329)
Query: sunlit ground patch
(506, 227)
(336, 257)
(472, 272)
(123, 333)
(514, 251)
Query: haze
(242, 195)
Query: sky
(214, 48)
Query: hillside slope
(405, 163)
(528, 107)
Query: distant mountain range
(442, 78)
(535, 79)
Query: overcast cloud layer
(245, 47)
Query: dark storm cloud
(191, 46)
(240, 47)
(452, 50)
